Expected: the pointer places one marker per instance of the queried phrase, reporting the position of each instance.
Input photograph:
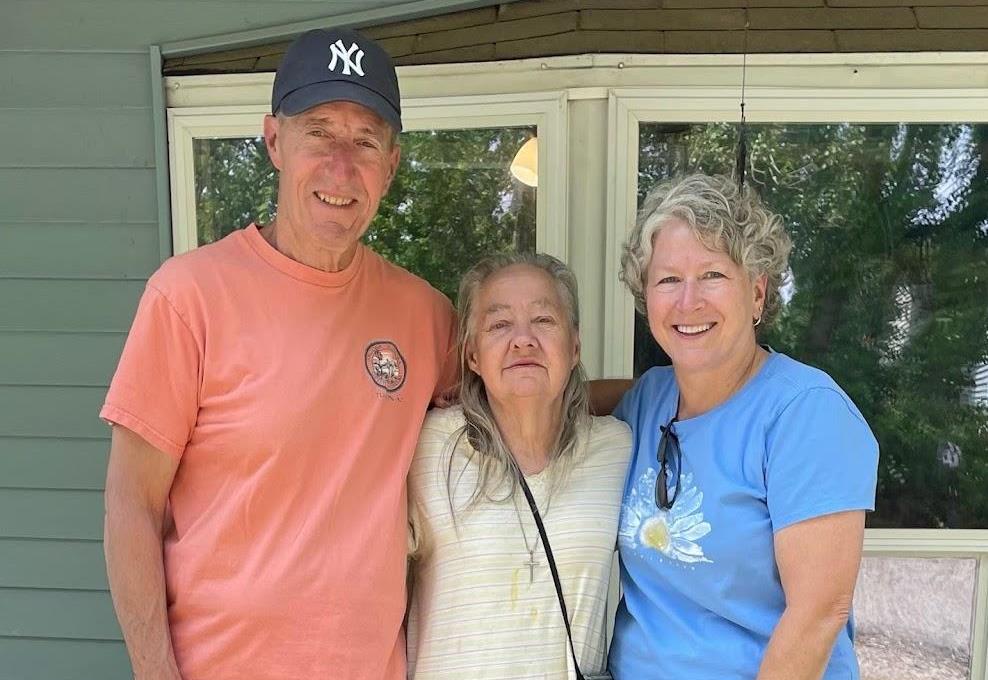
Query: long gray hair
(496, 465)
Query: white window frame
(546, 111)
(612, 95)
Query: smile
(694, 330)
(333, 200)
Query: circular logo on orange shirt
(385, 365)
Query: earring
(757, 321)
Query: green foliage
(235, 185)
(454, 201)
(889, 285)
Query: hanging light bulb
(525, 164)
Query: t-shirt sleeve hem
(114, 415)
(778, 524)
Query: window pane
(913, 618)
(235, 185)
(889, 287)
(452, 201)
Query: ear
(759, 286)
(577, 347)
(272, 139)
(393, 161)
(472, 362)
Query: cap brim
(305, 98)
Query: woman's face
(522, 344)
(700, 304)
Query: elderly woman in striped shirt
(520, 445)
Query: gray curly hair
(723, 218)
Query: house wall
(79, 228)
(78, 238)
(542, 28)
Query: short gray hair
(724, 218)
(495, 462)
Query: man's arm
(605, 394)
(818, 563)
(138, 480)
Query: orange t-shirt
(293, 398)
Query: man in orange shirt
(266, 407)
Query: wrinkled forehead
(496, 307)
(674, 242)
(519, 288)
(342, 114)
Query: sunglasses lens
(668, 441)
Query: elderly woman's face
(701, 304)
(523, 344)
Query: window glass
(888, 290)
(452, 201)
(913, 618)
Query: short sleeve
(821, 458)
(155, 390)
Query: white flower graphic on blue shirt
(673, 533)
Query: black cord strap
(552, 568)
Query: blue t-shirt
(702, 593)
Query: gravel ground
(913, 618)
(885, 658)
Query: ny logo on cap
(343, 54)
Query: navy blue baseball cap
(337, 64)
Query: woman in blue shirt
(743, 515)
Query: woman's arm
(818, 562)
(606, 393)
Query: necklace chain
(524, 536)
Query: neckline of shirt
(764, 371)
(286, 265)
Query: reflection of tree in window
(235, 185)
(452, 200)
(890, 286)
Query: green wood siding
(77, 138)
(86, 250)
(44, 658)
(45, 304)
(55, 563)
(84, 359)
(51, 411)
(74, 80)
(51, 513)
(105, 194)
(53, 462)
(68, 614)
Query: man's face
(336, 161)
